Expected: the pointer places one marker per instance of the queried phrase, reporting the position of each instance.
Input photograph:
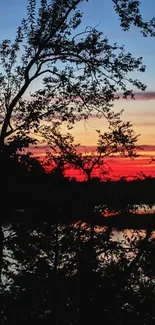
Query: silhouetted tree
(38, 273)
(48, 35)
(63, 151)
(130, 14)
(92, 72)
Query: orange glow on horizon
(118, 166)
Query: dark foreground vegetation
(63, 262)
(61, 259)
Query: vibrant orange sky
(141, 112)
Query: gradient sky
(141, 112)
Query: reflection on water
(127, 236)
(118, 235)
(142, 209)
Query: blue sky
(100, 13)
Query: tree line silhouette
(63, 263)
(60, 259)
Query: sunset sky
(141, 111)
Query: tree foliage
(129, 12)
(81, 72)
(62, 149)
(68, 268)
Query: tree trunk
(10, 109)
(3, 132)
